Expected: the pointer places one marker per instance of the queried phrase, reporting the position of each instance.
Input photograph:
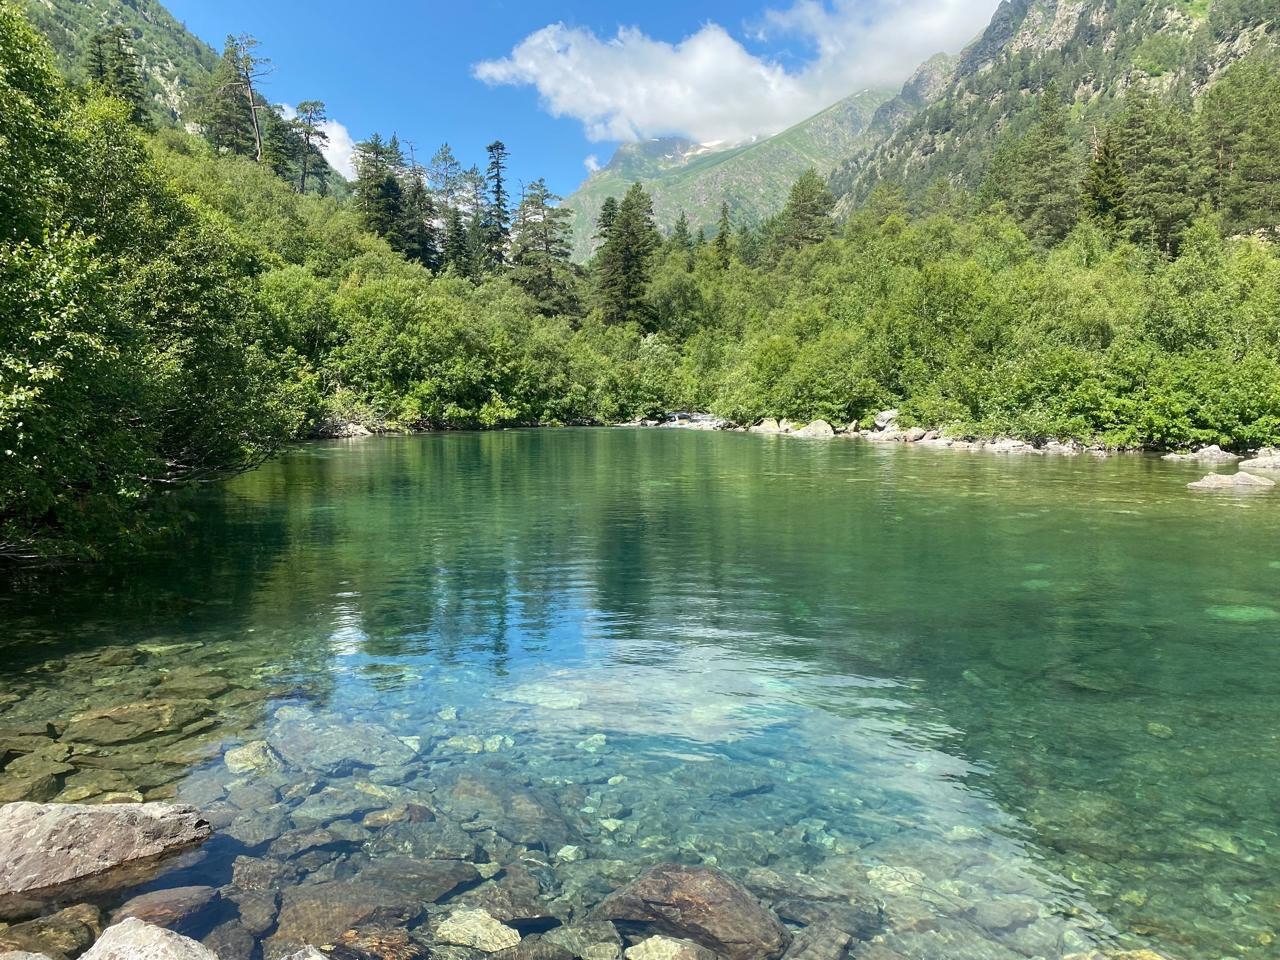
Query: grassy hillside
(1093, 50)
(174, 60)
(753, 179)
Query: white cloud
(710, 87)
(592, 163)
(341, 147)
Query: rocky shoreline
(885, 429)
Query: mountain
(1092, 50)
(753, 178)
(174, 61)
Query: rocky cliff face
(1093, 50)
(174, 61)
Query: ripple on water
(1243, 613)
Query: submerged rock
(476, 929)
(67, 933)
(62, 851)
(134, 940)
(666, 948)
(1232, 481)
(255, 757)
(590, 940)
(377, 943)
(322, 912)
(168, 908)
(135, 721)
(312, 743)
(699, 904)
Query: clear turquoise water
(1030, 699)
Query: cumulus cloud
(341, 148)
(710, 87)
(592, 163)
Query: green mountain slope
(753, 179)
(1093, 50)
(174, 61)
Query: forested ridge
(174, 307)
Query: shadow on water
(993, 677)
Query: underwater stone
(820, 942)
(230, 940)
(255, 757)
(476, 929)
(67, 933)
(135, 721)
(700, 904)
(168, 908)
(332, 748)
(667, 948)
(598, 940)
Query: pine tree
(473, 199)
(231, 114)
(608, 216)
(498, 215)
(310, 124)
(624, 264)
(1239, 120)
(114, 68)
(681, 238)
(443, 174)
(379, 194)
(1045, 192)
(723, 245)
(419, 237)
(806, 219)
(1104, 187)
(1164, 174)
(456, 256)
(541, 244)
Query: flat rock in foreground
(54, 852)
(702, 905)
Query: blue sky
(563, 82)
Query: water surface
(1027, 703)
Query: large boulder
(767, 426)
(60, 851)
(1232, 481)
(886, 419)
(698, 904)
(1264, 460)
(133, 939)
(1213, 454)
(818, 430)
